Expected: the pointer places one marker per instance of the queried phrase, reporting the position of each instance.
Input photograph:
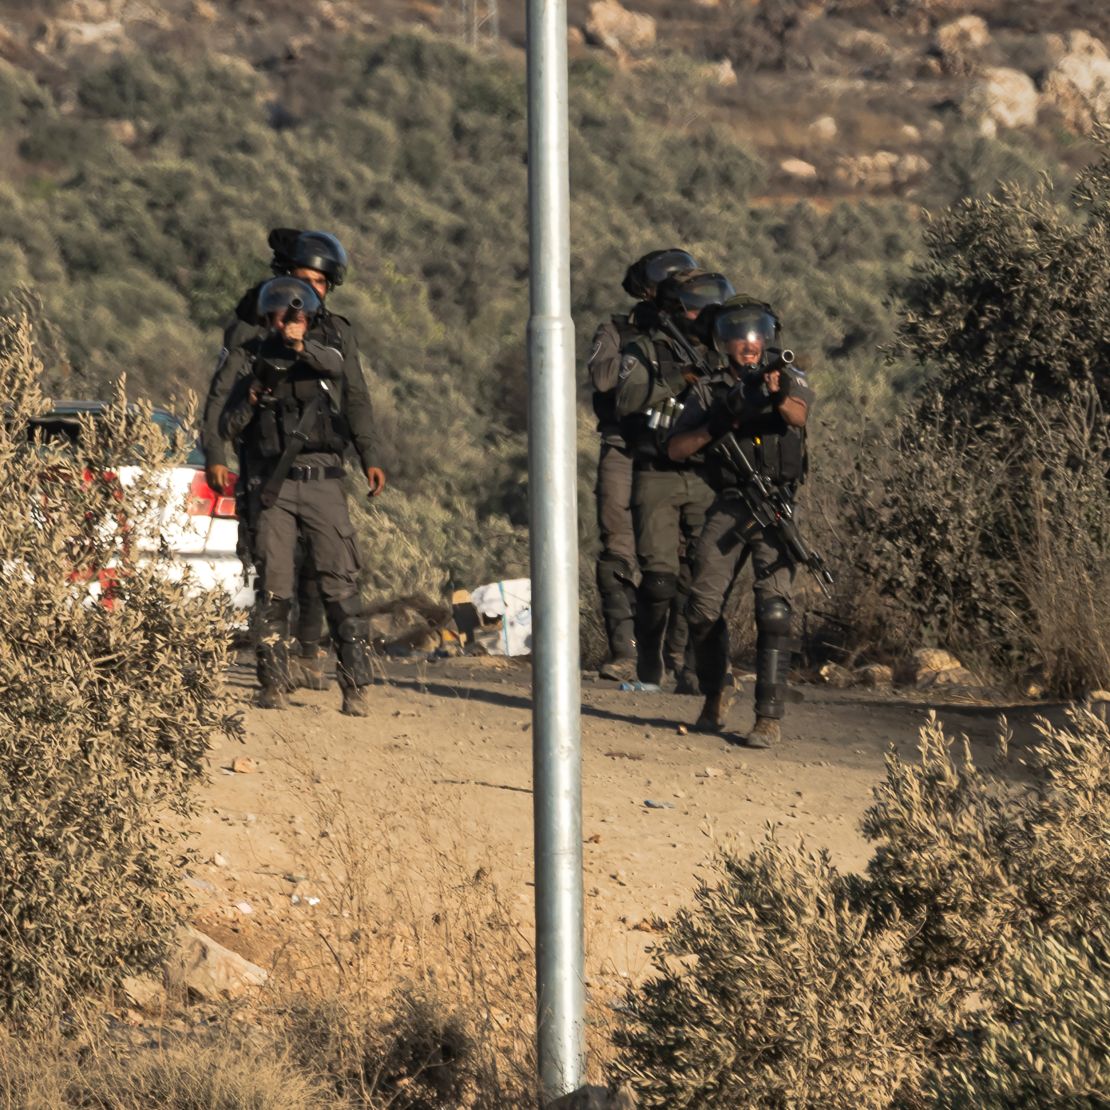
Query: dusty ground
(429, 799)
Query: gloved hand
(779, 385)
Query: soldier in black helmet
(669, 498)
(618, 572)
(296, 398)
(242, 326)
(763, 401)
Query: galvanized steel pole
(552, 468)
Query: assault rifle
(771, 510)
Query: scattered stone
(620, 31)
(682, 730)
(205, 11)
(1002, 97)
(882, 170)
(1078, 85)
(244, 765)
(123, 131)
(961, 42)
(200, 884)
(799, 170)
(144, 991)
(593, 838)
(824, 128)
(709, 773)
(219, 860)
(293, 878)
(875, 676)
(933, 659)
(208, 970)
(838, 677)
(651, 804)
(720, 74)
(244, 907)
(910, 134)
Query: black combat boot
(653, 606)
(714, 713)
(310, 663)
(272, 652)
(351, 632)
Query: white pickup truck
(200, 526)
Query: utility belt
(648, 432)
(313, 473)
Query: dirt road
(431, 795)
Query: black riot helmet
(281, 241)
(281, 293)
(691, 291)
(321, 251)
(642, 278)
(744, 317)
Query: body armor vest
(292, 386)
(646, 432)
(776, 450)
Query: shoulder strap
(293, 448)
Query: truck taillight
(205, 501)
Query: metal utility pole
(552, 469)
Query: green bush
(966, 968)
(110, 688)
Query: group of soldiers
(694, 395)
(695, 399)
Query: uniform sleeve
(327, 361)
(693, 415)
(356, 402)
(236, 411)
(800, 387)
(604, 363)
(236, 333)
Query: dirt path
(432, 793)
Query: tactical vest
(274, 424)
(776, 450)
(645, 432)
(605, 404)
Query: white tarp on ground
(510, 600)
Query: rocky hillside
(840, 98)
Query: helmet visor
(666, 263)
(707, 289)
(747, 322)
(282, 293)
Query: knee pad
(659, 586)
(773, 617)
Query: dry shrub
(1044, 1043)
(107, 699)
(774, 990)
(991, 541)
(967, 968)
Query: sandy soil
(432, 795)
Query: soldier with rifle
(747, 425)
(669, 496)
(296, 398)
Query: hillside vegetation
(141, 182)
